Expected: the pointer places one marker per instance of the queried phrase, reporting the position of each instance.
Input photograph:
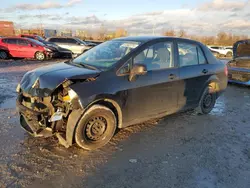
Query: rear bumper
(52, 55)
(65, 55)
(239, 77)
(239, 82)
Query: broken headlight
(71, 95)
(18, 88)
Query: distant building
(25, 31)
(18, 31)
(65, 33)
(6, 28)
(80, 33)
(49, 33)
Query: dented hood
(48, 78)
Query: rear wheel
(3, 55)
(40, 56)
(96, 127)
(207, 101)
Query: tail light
(226, 70)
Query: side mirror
(138, 69)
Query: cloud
(73, 2)
(43, 6)
(237, 24)
(193, 21)
(222, 5)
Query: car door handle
(204, 71)
(172, 76)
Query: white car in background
(224, 51)
(73, 44)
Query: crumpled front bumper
(29, 120)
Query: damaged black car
(118, 83)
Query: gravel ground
(182, 150)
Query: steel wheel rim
(207, 101)
(96, 128)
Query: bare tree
(120, 33)
(170, 33)
(182, 33)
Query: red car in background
(26, 48)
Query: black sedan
(117, 84)
(59, 51)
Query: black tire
(229, 54)
(207, 101)
(96, 127)
(3, 54)
(40, 56)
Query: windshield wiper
(81, 64)
(87, 66)
(84, 65)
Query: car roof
(28, 35)
(61, 37)
(23, 38)
(15, 38)
(144, 39)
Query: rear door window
(71, 41)
(201, 56)
(62, 40)
(190, 54)
(22, 42)
(54, 40)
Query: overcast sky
(203, 17)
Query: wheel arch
(77, 115)
(112, 105)
(213, 82)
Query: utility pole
(154, 29)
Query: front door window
(157, 56)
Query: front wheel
(207, 101)
(96, 127)
(40, 56)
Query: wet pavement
(182, 150)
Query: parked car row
(34, 46)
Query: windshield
(39, 38)
(80, 41)
(37, 42)
(106, 54)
